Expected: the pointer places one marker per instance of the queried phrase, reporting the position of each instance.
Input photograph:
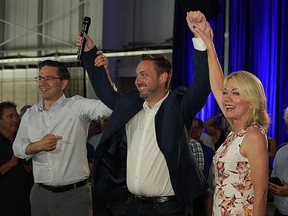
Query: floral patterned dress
(233, 194)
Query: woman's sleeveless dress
(233, 193)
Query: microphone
(85, 27)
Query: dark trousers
(171, 208)
(111, 203)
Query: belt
(152, 200)
(63, 188)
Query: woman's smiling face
(235, 106)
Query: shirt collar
(157, 105)
(56, 103)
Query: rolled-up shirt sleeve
(22, 141)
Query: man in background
(15, 181)
(280, 170)
(200, 204)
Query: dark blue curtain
(258, 43)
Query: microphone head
(86, 20)
(86, 24)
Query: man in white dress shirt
(53, 133)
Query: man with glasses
(162, 175)
(53, 133)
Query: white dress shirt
(147, 171)
(69, 118)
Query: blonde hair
(252, 91)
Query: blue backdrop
(258, 43)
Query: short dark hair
(162, 64)
(5, 105)
(63, 72)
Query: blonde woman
(241, 167)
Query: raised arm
(101, 60)
(100, 79)
(215, 71)
(196, 95)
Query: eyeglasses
(46, 78)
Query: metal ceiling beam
(39, 25)
(73, 58)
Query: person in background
(162, 175)
(90, 158)
(96, 130)
(27, 163)
(208, 153)
(23, 110)
(272, 149)
(199, 205)
(207, 140)
(54, 133)
(109, 178)
(109, 183)
(216, 130)
(15, 183)
(280, 170)
(241, 168)
(94, 133)
(197, 151)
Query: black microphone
(85, 28)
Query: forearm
(4, 168)
(260, 204)
(33, 148)
(215, 74)
(110, 80)
(200, 86)
(88, 62)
